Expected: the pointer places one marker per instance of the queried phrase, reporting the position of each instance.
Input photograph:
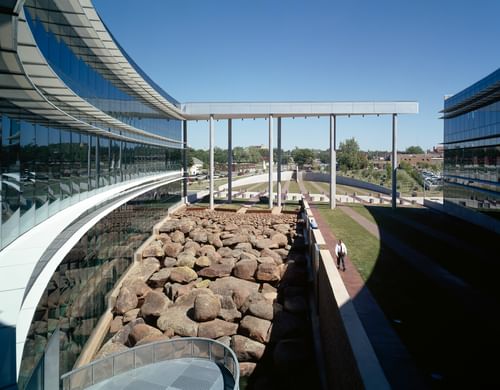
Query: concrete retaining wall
(285, 176)
(347, 181)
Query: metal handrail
(107, 367)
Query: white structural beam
(229, 160)
(278, 192)
(211, 160)
(237, 110)
(270, 161)
(333, 160)
(394, 160)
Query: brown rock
(245, 269)
(205, 250)
(247, 350)
(270, 253)
(154, 304)
(153, 250)
(280, 239)
(177, 319)
(159, 278)
(130, 315)
(265, 243)
(255, 328)
(110, 348)
(126, 301)
(238, 289)
(192, 247)
(182, 275)
(164, 238)
(216, 328)
(198, 235)
(206, 307)
(268, 273)
(138, 287)
(203, 261)
(178, 236)
(172, 249)
(216, 271)
(247, 368)
(122, 335)
(236, 239)
(140, 331)
(186, 260)
(152, 338)
(189, 298)
(116, 324)
(169, 262)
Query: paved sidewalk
(395, 360)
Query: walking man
(340, 252)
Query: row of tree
(349, 155)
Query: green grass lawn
(293, 187)
(438, 329)
(363, 248)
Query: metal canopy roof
(241, 110)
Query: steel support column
(278, 192)
(229, 160)
(270, 161)
(185, 161)
(394, 160)
(333, 160)
(211, 160)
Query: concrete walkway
(396, 362)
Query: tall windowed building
(90, 160)
(472, 152)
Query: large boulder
(116, 324)
(130, 315)
(169, 262)
(216, 271)
(236, 288)
(127, 300)
(268, 273)
(186, 225)
(176, 318)
(110, 348)
(192, 247)
(138, 287)
(255, 328)
(266, 243)
(122, 335)
(186, 259)
(217, 328)
(236, 239)
(182, 275)
(228, 312)
(143, 270)
(203, 261)
(159, 278)
(199, 235)
(280, 239)
(153, 250)
(207, 250)
(189, 298)
(214, 239)
(172, 249)
(178, 236)
(270, 253)
(206, 307)
(245, 269)
(247, 350)
(169, 226)
(154, 304)
(247, 368)
(140, 331)
(244, 246)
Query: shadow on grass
(434, 277)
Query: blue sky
(272, 50)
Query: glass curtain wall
(45, 169)
(472, 155)
(76, 296)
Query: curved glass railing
(134, 358)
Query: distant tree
(349, 156)
(414, 150)
(302, 156)
(324, 156)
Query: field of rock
(238, 278)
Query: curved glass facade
(472, 147)
(88, 76)
(76, 296)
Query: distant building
(472, 152)
(421, 159)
